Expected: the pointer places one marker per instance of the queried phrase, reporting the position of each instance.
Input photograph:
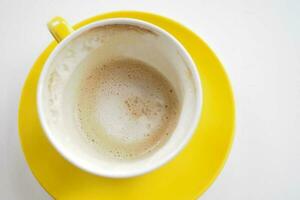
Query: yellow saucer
(185, 177)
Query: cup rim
(186, 56)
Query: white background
(257, 41)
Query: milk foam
(126, 107)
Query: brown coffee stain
(188, 71)
(138, 106)
(124, 27)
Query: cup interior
(58, 89)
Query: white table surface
(257, 41)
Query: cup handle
(59, 28)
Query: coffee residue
(127, 106)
